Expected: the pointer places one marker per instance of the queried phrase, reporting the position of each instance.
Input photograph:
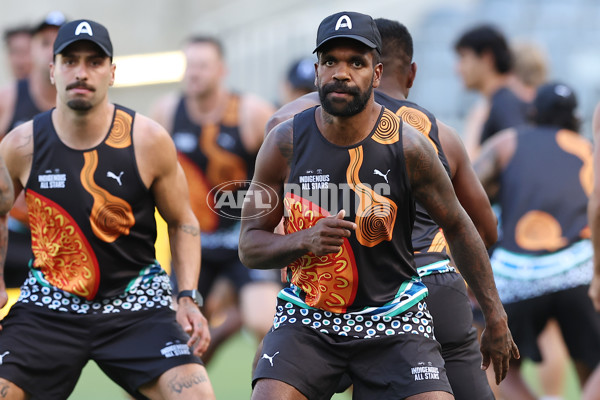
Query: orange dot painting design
(329, 281)
(60, 249)
(119, 136)
(418, 120)
(111, 216)
(375, 214)
(388, 128)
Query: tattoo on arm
(192, 230)
(285, 140)
(179, 383)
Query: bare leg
(266, 389)
(432, 396)
(513, 386)
(10, 391)
(257, 305)
(555, 357)
(185, 382)
(223, 316)
(591, 390)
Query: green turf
(229, 372)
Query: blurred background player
(528, 71)
(484, 64)
(300, 79)
(18, 49)
(19, 102)
(217, 133)
(543, 261)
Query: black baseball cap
(352, 25)
(54, 19)
(301, 74)
(83, 29)
(553, 98)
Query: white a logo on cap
(343, 22)
(83, 27)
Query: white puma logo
(111, 174)
(270, 358)
(2, 356)
(378, 172)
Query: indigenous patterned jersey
(428, 240)
(374, 271)
(91, 216)
(213, 156)
(25, 108)
(544, 191)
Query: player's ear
(113, 67)
(51, 65)
(412, 74)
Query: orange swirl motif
(388, 128)
(375, 214)
(538, 230)
(119, 136)
(111, 216)
(573, 143)
(418, 120)
(60, 249)
(329, 281)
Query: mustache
(340, 87)
(80, 85)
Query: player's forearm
(7, 195)
(265, 250)
(3, 246)
(185, 254)
(473, 262)
(594, 223)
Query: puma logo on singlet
(111, 174)
(270, 358)
(8, 352)
(378, 172)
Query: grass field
(229, 372)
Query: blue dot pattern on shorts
(152, 294)
(417, 320)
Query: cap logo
(83, 27)
(562, 91)
(343, 22)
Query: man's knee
(10, 391)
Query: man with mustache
(93, 173)
(355, 301)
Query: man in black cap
(300, 79)
(93, 173)
(19, 102)
(347, 174)
(541, 175)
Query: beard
(339, 108)
(79, 105)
